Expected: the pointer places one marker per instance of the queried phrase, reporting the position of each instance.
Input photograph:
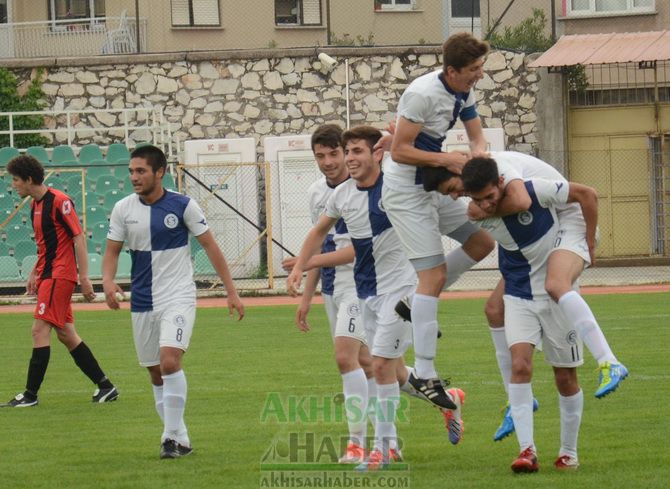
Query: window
(76, 9)
(195, 13)
(298, 12)
(596, 7)
(394, 4)
(465, 8)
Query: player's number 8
(180, 333)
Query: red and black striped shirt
(55, 223)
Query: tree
(11, 101)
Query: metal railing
(80, 37)
(74, 127)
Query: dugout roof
(592, 49)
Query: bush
(11, 101)
(528, 36)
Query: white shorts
(535, 321)
(572, 232)
(421, 218)
(345, 316)
(389, 335)
(152, 330)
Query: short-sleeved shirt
(526, 239)
(428, 101)
(381, 265)
(55, 223)
(157, 236)
(339, 279)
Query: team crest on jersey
(179, 320)
(171, 221)
(67, 207)
(572, 337)
(354, 310)
(525, 218)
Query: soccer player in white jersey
(526, 240)
(156, 223)
(571, 254)
(338, 290)
(427, 110)
(382, 274)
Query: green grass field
(67, 442)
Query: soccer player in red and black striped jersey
(59, 240)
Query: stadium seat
(22, 249)
(143, 143)
(28, 264)
(40, 154)
(56, 182)
(89, 154)
(7, 154)
(73, 182)
(125, 266)
(202, 265)
(94, 265)
(4, 249)
(117, 152)
(112, 197)
(64, 156)
(17, 232)
(7, 201)
(9, 270)
(168, 181)
(119, 171)
(128, 186)
(98, 231)
(95, 213)
(195, 246)
(105, 183)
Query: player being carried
(382, 274)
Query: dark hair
(154, 157)
(370, 134)
(25, 166)
(329, 135)
(433, 176)
(479, 173)
(462, 49)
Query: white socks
(521, 408)
(355, 387)
(158, 397)
(372, 401)
(503, 355)
(458, 262)
(174, 402)
(579, 314)
(424, 325)
(571, 419)
(388, 398)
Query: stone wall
(262, 93)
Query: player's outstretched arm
(219, 263)
(306, 302)
(110, 262)
(309, 248)
(403, 150)
(478, 144)
(81, 253)
(587, 197)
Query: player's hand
(476, 213)
(111, 298)
(301, 317)
(592, 251)
(293, 282)
(288, 263)
(384, 143)
(235, 304)
(454, 161)
(87, 288)
(31, 285)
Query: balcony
(63, 38)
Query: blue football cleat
(506, 427)
(611, 375)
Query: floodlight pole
(137, 25)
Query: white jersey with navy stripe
(428, 101)
(334, 280)
(526, 239)
(157, 236)
(381, 265)
(513, 165)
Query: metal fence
(199, 25)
